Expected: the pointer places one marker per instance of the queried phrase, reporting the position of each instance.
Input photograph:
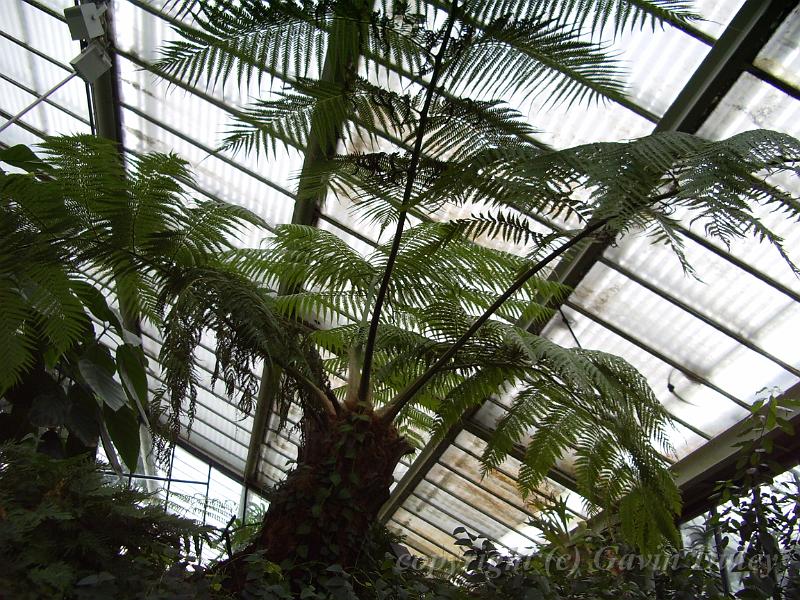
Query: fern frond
(242, 39)
(528, 56)
(331, 110)
(462, 127)
(617, 15)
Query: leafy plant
(378, 350)
(81, 230)
(437, 320)
(67, 533)
(576, 562)
(760, 508)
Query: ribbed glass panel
(781, 55)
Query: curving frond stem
(325, 403)
(369, 348)
(393, 408)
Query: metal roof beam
(47, 101)
(699, 473)
(735, 50)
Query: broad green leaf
(22, 157)
(123, 427)
(96, 579)
(83, 415)
(50, 407)
(94, 300)
(102, 383)
(131, 365)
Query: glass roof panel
(658, 63)
(753, 104)
(417, 543)
(781, 55)
(716, 15)
(721, 291)
(48, 35)
(454, 493)
(665, 328)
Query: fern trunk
(323, 512)
(328, 503)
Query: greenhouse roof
(707, 344)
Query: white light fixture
(91, 63)
(84, 24)
(84, 21)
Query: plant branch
(393, 408)
(369, 348)
(321, 397)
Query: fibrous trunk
(325, 509)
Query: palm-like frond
(330, 109)
(460, 127)
(529, 56)
(437, 328)
(84, 216)
(244, 39)
(614, 14)
(595, 408)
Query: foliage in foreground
(66, 532)
(84, 232)
(63, 217)
(433, 323)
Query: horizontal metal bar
(40, 98)
(699, 315)
(33, 50)
(775, 81)
(187, 446)
(154, 478)
(23, 125)
(48, 101)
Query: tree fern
(435, 320)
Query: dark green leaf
(102, 383)
(50, 407)
(22, 157)
(94, 300)
(123, 427)
(83, 415)
(131, 363)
